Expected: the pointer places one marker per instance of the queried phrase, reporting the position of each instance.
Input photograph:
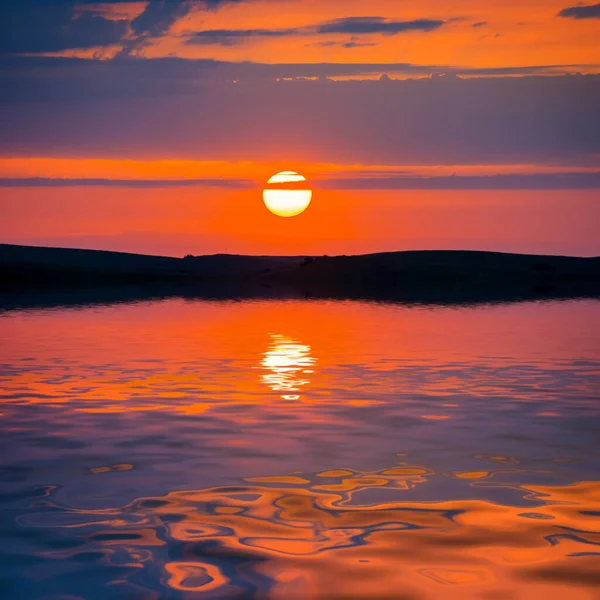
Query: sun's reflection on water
(287, 362)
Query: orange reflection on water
(295, 537)
(190, 576)
(111, 403)
(200, 357)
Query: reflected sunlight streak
(287, 361)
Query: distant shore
(34, 276)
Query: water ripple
(299, 536)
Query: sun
(287, 194)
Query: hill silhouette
(34, 275)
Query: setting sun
(286, 194)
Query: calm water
(191, 449)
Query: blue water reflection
(291, 449)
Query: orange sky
(512, 33)
(152, 123)
(249, 37)
(202, 220)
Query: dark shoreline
(37, 277)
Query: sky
(171, 98)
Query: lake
(300, 449)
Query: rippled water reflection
(301, 450)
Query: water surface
(298, 449)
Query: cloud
(354, 42)
(373, 25)
(567, 181)
(354, 26)
(159, 16)
(591, 11)
(53, 79)
(123, 183)
(546, 181)
(42, 26)
(479, 24)
(351, 43)
(141, 108)
(230, 37)
(36, 26)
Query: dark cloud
(191, 109)
(43, 78)
(38, 26)
(216, 4)
(354, 26)
(351, 43)
(230, 37)
(480, 24)
(591, 11)
(123, 183)
(160, 15)
(354, 42)
(327, 44)
(567, 181)
(544, 181)
(372, 25)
